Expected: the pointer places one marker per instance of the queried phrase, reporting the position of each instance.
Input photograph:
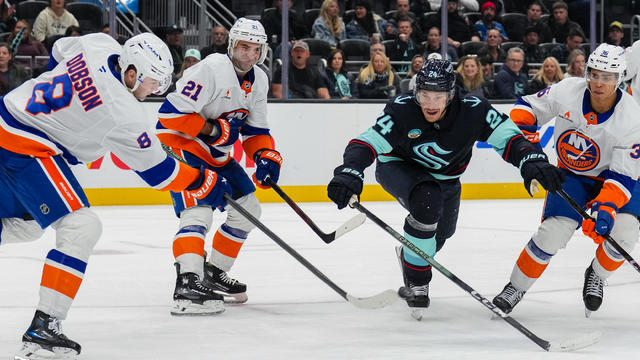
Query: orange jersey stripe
(610, 192)
(60, 281)
(60, 182)
(22, 145)
(529, 266)
(189, 124)
(257, 142)
(226, 246)
(607, 263)
(188, 245)
(186, 176)
(179, 142)
(522, 117)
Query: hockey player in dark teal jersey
(423, 143)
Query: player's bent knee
(626, 231)
(237, 220)
(425, 202)
(554, 233)
(198, 215)
(78, 232)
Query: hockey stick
(327, 238)
(608, 237)
(569, 345)
(380, 300)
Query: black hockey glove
(345, 183)
(535, 166)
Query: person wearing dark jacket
(510, 81)
(460, 30)
(11, 75)
(404, 48)
(340, 84)
(377, 80)
(559, 23)
(272, 22)
(530, 46)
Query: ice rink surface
(122, 308)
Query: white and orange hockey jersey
(210, 90)
(81, 110)
(604, 146)
(633, 69)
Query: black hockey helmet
(436, 75)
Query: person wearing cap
(53, 20)
(219, 42)
(191, 57)
(487, 21)
(367, 25)
(616, 34)
(559, 23)
(173, 39)
(530, 46)
(305, 82)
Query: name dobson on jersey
(83, 82)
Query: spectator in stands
(367, 25)
(549, 74)
(377, 80)
(492, 47)
(403, 47)
(559, 23)
(107, 30)
(272, 22)
(616, 34)
(488, 21)
(487, 68)
(73, 31)
(574, 39)
(575, 64)
(434, 42)
(464, 5)
(191, 57)
(340, 84)
(7, 16)
(469, 77)
(419, 7)
(534, 19)
(416, 64)
(304, 81)
(11, 74)
(219, 42)
(511, 81)
(460, 30)
(53, 20)
(329, 25)
(377, 47)
(530, 46)
(402, 12)
(173, 38)
(22, 43)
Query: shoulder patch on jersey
(474, 100)
(577, 151)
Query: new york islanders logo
(577, 152)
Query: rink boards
(311, 138)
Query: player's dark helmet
(436, 75)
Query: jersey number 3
(48, 96)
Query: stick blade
(575, 343)
(378, 301)
(353, 223)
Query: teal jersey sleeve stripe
(377, 141)
(502, 134)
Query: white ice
(122, 308)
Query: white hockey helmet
(608, 58)
(251, 31)
(151, 58)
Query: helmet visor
(602, 77)
(432, 99)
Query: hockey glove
(535, 169)
(268, 164)
(223, 133)
(345, 183)
(604, 216)
(209, 189)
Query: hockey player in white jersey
(217, 100)
(84, 106)
(597, 140)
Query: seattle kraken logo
(429, 155)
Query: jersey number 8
(47, 96)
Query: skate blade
(587, 313)
(416, 313)
(32, 351)
(239, 298)
(189, 308)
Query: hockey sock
(607, 260)
(529, 266)
(188, 248)
(227, 243)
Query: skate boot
(191, 297)
(592, 291)
(234, 291)
(415, 292)
(508, 298)
(44, 340)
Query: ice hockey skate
(508, 298)
(592, 291)
(233, 291)
(416, 296)
(44, 340)
(191, 297)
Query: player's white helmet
(251, 31)
(151, 58)
(609, 58)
